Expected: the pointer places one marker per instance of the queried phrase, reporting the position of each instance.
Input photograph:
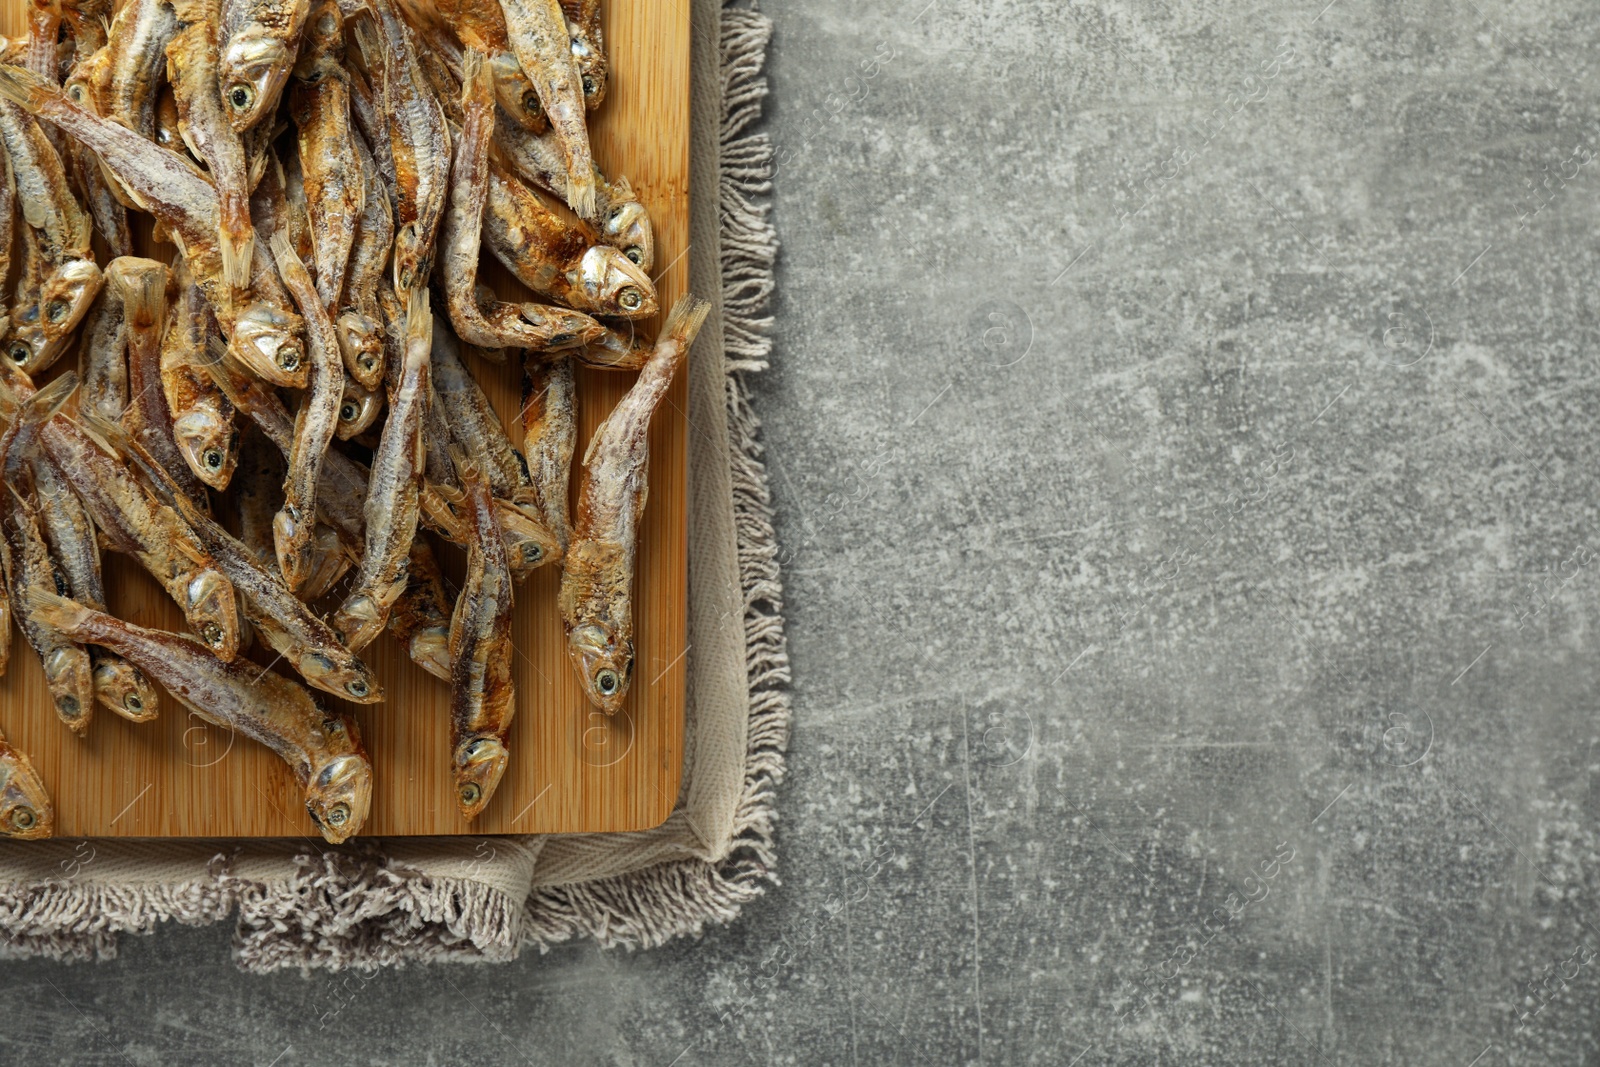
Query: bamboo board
(572, 768)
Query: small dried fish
(558, 258)
(258, 493)
(26, 813)
(472, 420)
(343, 489)
(26, 344)
(67, 671)
(481, 25)
(420, 620)
(109, 215)
(314, 425)
(69, 277)
(135, 62)
(202, 416)
(622, 219)
(142, 285)
(130, 522)
(360, 319)
(418, 140)
(539, 37)
(549, 437)
(192, 69)
(492, 323)
(335, 183)
(259, 41)
(262, 332)
(308, 644)
(596, 599)
(588, 49)
(103, 357)
(323, 749)
(392, 506)
(119, 686)
(366, 109)
(483, 696)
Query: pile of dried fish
(330, 173)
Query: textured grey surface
(1182, 430)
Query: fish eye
(212, 634)
(69, 706)
(530, 102)
(635, 254)
(534, 553)
(590, 86)
(241, 96)
(75, 93)
(607, 682)
(471, 792)
(631, 299)
(348, 411)
(338, 815)
(23, 818)
(358, 688)
(19, 353)
(133, 703)
(56, 310)
(288, 357)
(212, 458)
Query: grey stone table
(1183, 435)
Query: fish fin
(283, 251)
(583, 196)
(144, 294)
(236, 258)
(685, 319)
(115, 439)
(24, 88)
(419, 320)
(55, 612)
(467, 468)
(53, 397)
(89, 423)
(472, 65)
(621, 191)
(223, 369)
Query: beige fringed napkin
(398, 900)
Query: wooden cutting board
(573, 769)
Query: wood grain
(572, 768)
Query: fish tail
(24, 88)
(685, 319)
(57, 612)
(144, 294)
(583, 194)
(472, 66)
(419, 321)
(237, 246)
(50, 399)
(283, 251)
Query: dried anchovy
(596, 598)
(323, 749)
